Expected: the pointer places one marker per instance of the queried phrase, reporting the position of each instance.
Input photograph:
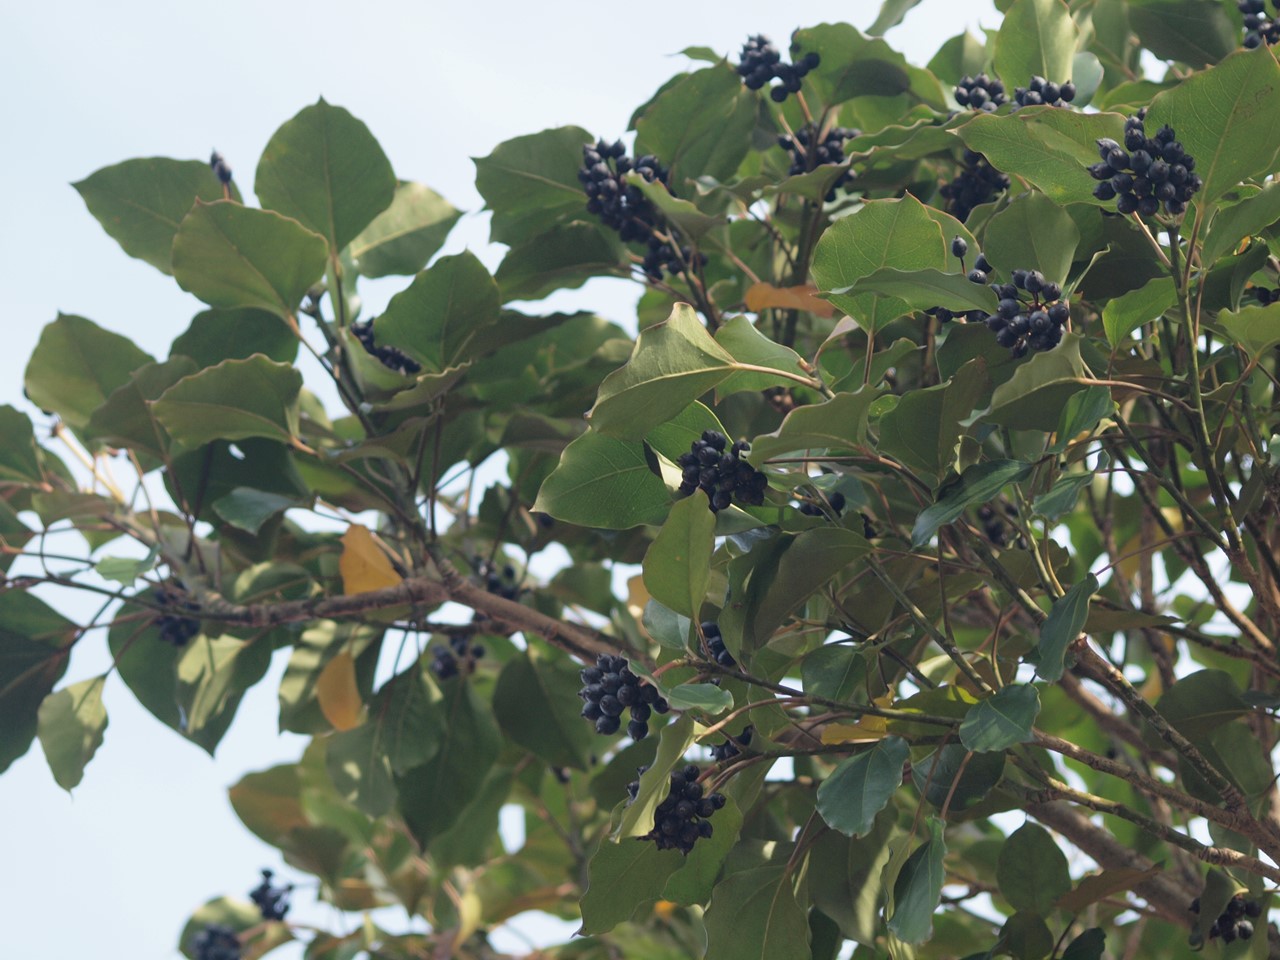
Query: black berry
(724, 751)
(459, 656)
(723, 475)
(610, 689)
(977, 182)
(272, 901)
(808, 152)
(680, 819)
(982, 92)
(1146, 172)
(216, 942)
(390, 357)
(835, 501)
(1042, 92)
(173, 626)
(221, 169)
(715, 645)
(760, 64)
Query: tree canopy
(906, 586)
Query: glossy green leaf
(141, 202)
(854, 66)
(1197, 32)
(747, 345)
(923, 431)
(126, 419)
(1002, 720)
(403, 238)
(563, 258)
(126, 570)
(836, 671)
(1124, 314)
(76, 365)
(1228, 118)
(531, 183)
(235, 400)
(1201, 702)
(212, 675)
(1037, 37)
(1255, 211)
(1032, 233)
(925, 289)
(677, 565)
(19, 462)
(1066, 619)
(704, 697)
(838, 424)
(1032, 870)
(1254, 329)
(665, 625)
(845, 877)
(695, 881)
(71, 726)
(754, 915)
(890, 15)
(1062, 497)
(859, 787)
(248, 509)
(360, 770)
(918, 888)
(955, 778)
(217, 335)
(1088, 946)
(655, 783)
(449, 314)
(326, 170)
(1025, 936)
(234, 256)
(1033, 397)
(883, 233)
(700, 126)
(604, 482)
(978, 484)
(536, 705)
(624, 878)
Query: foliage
(1002, 595)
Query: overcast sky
(113, 871)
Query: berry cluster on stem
(609, 688)
(982, 92)
(721, 752)
(959, 247)
(271, 901)
(390, 357)
(715, 645)
(977, 182)
(1042, 92)
(1145, 172)
(174, 628)
(1232, 924)
(995, 523)
(459, 656)
(760, 64)
(221, 169)
(808, 152)
(1259, 26)
(684, 815)
(835, 501)
(1031, 314)
(722, 474)
(1264, 295)
(216, 941)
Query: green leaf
(655, 783)
(535, 703)
(1256, 210)
(953, 774)
(125, 419)
(1197, 32)
(326, 170)
(71, 725)
(838, 424)
(1002, 720)
(1125, 313)
(235, 400)
(360, 770)
(1049, 148)
(695, 881)
(1037, 37)
(1201, 702)
(562, 258)
(1032, 233)
(603, 482)
(622, 880)
(449, 314)
(217, 335)
(126, 570)
(677, 566)
(1227, 117)
(673, 363)
(853, 66)
(747, 345)
(404, 237)
(1082, 413)
(1066, 619)
(882, 233)
(213, 673)
(76, 365)
(923, 431)
(141, 202)
(860, 787)
(978, 484)
(1253, 329)
(836, 671)
(918, 888)
(234, 256)
(1026, 936)
(704, 697)
(19, 462)
(753, 915)
(691, 221)
(1088, 946)
(666, 626)
(1062, 496)
(434, 795)
(924, 289)
(1087, 74)
(890, 15)
(531, 183)
(1032, 870)
(845, 877)
(1034, 396)
(248, 509)
(700, 126)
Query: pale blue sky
(113, 871)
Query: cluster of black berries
(1035, 323)
(1264, 295)
(175, 628)
(1145, 172)
(623, 207)
(980, 93)
(272, 901)
(1231, 925)
(835, 500)
(1259, 28)
(977, 182)
(996, 526)
(760, 64)
(715, 645)
(216, 942)
(390, 357)
(1044, 92)
(459, 656)
(221, 169)
(683, 816)
(808, 152)
(725, 751)
(501, 583)
(722, 475)
(609, 688)
(977, 275)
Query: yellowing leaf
(868, 728)
(363, 565)
(762, 296)
(337, 694)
